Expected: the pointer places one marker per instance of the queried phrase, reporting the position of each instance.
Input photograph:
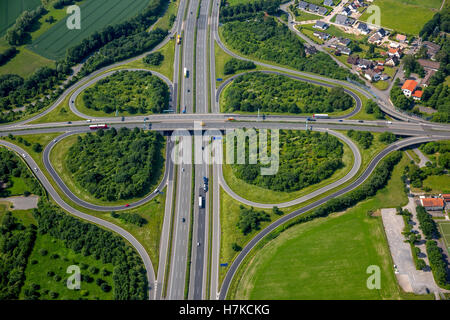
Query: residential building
(394, 52)
(426, 80)
(344, 20)
(409, 87)
(446, 198)
(417, 95)
(329, 3)
(432, 204)
(363, 28)
(346, 11)
(365, 64)
(401, 38)
(384, 77)
(321, 25)
(371, 75)
(321, 35)
(383, 33)
(303, 5)
(391, 61)
(345, 50)
(353, 7)
(313, 7)
(344, 41)
(375, 38)
(322, 11)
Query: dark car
(360, 121)
(123, 118)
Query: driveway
(410, 279)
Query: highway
(192, 95)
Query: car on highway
(360, 121)
(127, 205)
(123, 118)
(389, 122)
(205, 187)
(340, 120)
(182, 169)
(183, 219)
(231, 119)
(88, 120)
(36, 169)
(156, 190)
(198, 244)
(24, 155)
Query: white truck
(200, 202)
(186, 73)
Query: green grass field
(38, 273)
(445, 232)
(11, 9)
(18, 186)
(406, 16)
(327, 258)
(95, 15)
(438, 184)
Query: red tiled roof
(401, 37)
(446, 197)
(409, 85)
(432, 202)
(418, 94)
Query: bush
(236, 247)
(154, 59)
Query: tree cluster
(12, 166)
(244, 11)
(131, 91)
(426, 223)
(250, 219)
(7, 55)
(305, 158)
(276, 93)
(59, 4)
(417, 175)
(154, 59)
(439, 22)
(387, 137)
(233, 65)
(440, 147)
(266, 39)
(129, 275)
(364, 138)
(16, 244)
(113, 165)
(18, 33)
(373, 108)
(133, 218)
(438, 264)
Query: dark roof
(341, 19)
(321, 24)
(323, 10)
(303, 5)
(328, 3)
(382, 32)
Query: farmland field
(11, 9)
(95, 15)
(407, 16)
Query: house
(409, 87)
(322, 11)
(303, 5)
(428, 64)
(391, 61)
(359, 3)
(344, 20)
(329, 3)
(371, 75)
(345, 50)
(432, 203)
(401, 38)
(346, 11)
(382, 33)
(353, 7)
(353, 60)
(394, 52)
(417, 95)
(378, 69)
(344, 41)
(362, 27)
(310, 50)
(384, 77)
(365, 64)
(375, 39)
(313, 7)
(446, 198)
(432, 48)
(380, 63)
(321, 35)
(321, 25)
(394, 45)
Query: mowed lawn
(11, 9)
(444, 228)
(327, 258)
(406, 16)
(95, 15)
